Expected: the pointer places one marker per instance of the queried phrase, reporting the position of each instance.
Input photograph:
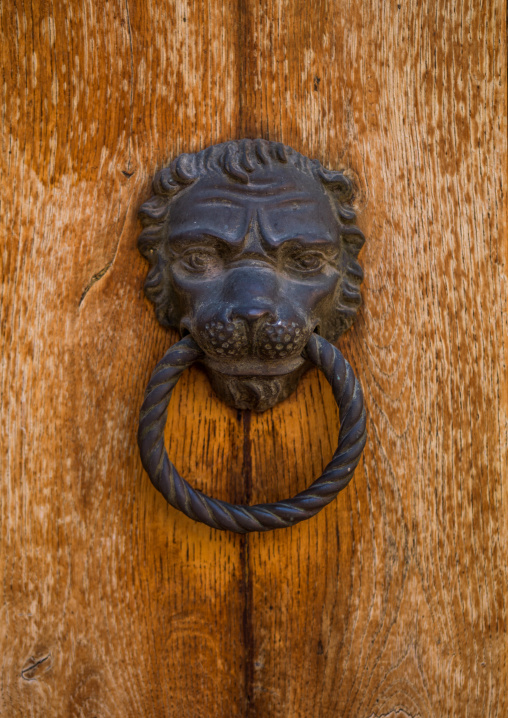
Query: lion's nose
(252, 293)
(251, 314)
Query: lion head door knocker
(253, 251)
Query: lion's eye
(199, 260)
(307, 261)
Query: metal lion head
(253, 247)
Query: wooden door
(392, 601)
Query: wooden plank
(112, 603)
(392, 601)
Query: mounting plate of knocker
(253, 250)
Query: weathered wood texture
(133, 610)
(392, 601)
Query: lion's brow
(275, 198)
(206, 234)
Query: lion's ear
(153, 215)
(158, 290)
(347, 299)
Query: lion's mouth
(264, 349)
(251, 366)
(253, 369)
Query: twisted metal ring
(261, 517)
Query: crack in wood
(95, 278)
(32, 668)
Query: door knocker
(253, 251)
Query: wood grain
(112, 604)
(392, 601)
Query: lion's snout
(262, 339)
(281, 339)
(222, 338)
(255, 318)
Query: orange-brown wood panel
(392, 601)
(112, 604)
